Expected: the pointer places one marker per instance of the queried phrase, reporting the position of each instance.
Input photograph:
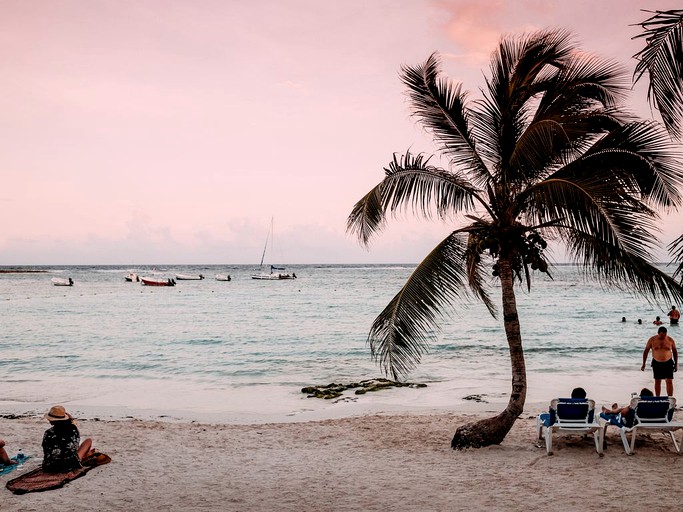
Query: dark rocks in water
(334, 390)
(476, 398)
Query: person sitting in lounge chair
(615, 411)
(548, 418)
(620, 416)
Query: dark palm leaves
(402, 332)
(410, 180)
(442, 107)
(662, 58)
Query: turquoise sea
(241, 350)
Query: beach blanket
(19, 459)
(37, 480)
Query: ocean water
(242, 350)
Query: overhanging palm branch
(662, 59)
(402, 332)
(410, 180)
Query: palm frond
(662, 58)
(410, 181)
(596, 206)
(515, 67)
(676, 252)
(615, 267)
(637, 153)
(442, 108)
(401, 334)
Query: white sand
(375, 462)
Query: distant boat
(276, 273)
(60, 281)
(157, 282)
(223, 277)
(186, 277)
(132, 278)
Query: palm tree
(545, 155)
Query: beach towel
(20, 458)
(38, 480)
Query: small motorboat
(187, 277)
(132, 278)
(60, 281)
(157, 282)
(223, 277)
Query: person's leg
(669, 387)
(658, 387)
(85, 447)
(4, 458)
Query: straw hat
(57, 413)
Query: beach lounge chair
(649, 414)
(569, 416)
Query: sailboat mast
(265, 247)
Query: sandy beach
(376, 462)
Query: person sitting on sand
(4, 458)
(62, 449)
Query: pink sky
(167, 131)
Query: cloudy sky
(168, 131)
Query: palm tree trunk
(493, 430)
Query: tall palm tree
(545, 155)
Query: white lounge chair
(569, 416)
(651, 413)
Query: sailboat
(276, 273)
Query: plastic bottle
(20, 456)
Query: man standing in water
(664, 360)
(673, 315)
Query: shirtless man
(664, 360)
(673, 315)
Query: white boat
(60, 281)
(132, 278)
(223, 277)
(187, 277)
(276, 273)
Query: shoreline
(259, 404)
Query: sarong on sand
(38, 480)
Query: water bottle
(20, 456)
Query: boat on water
(223, 277)
(276, 273)
(132, 278)
(157, 282)
(188, 277)
(61, 281)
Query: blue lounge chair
(648, 413)
(569, 416)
